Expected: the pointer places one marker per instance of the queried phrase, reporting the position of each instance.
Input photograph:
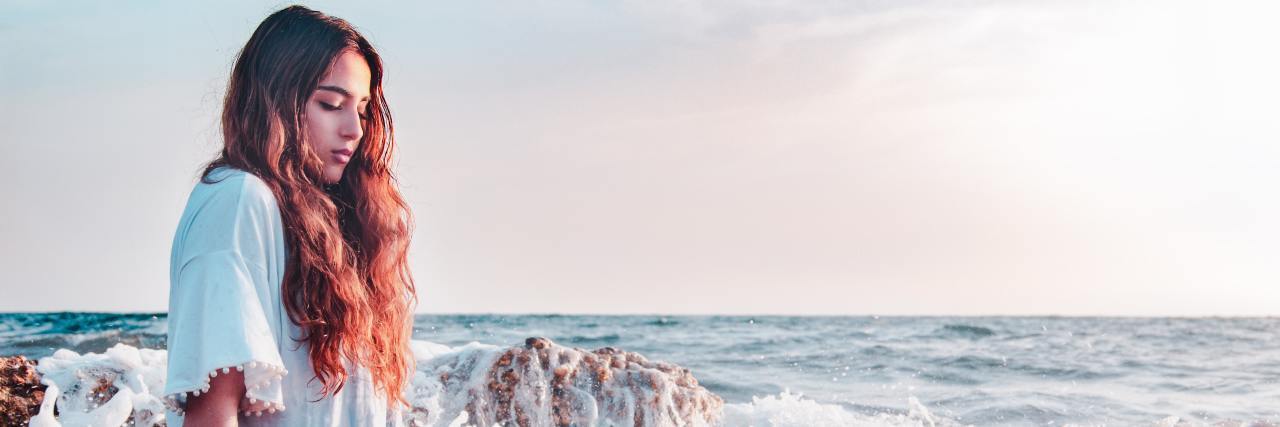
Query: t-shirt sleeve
(221, 296)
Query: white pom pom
(253, 364)
(214, 373)
(196, 393)
(226, 370)
(239, 368)
(252, 401)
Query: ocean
(868, 370)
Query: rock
(20, 390)
(546, 384)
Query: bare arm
(217, 407)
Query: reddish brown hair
(347, 283)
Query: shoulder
(227, 185)
(228, 210)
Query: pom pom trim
(250, 405)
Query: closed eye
(339, 107)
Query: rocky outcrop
(546, 384)
(20, 390)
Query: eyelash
(339, 107)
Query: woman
(290, 297)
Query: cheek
(315, 124)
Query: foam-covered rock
(546, 384)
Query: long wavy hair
(347, 284)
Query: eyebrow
(339, 90)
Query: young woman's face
(335, 114)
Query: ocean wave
(964, 331)
(787, 409)
(594, 340)
(662, 322)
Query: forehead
(351, 73)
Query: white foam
(80, 384)
(788, 409)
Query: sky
(1004, 157)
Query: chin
(331, 177)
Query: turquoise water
(965, 370)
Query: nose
(351, 127)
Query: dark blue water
(970, 370)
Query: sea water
(837, 371)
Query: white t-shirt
(225, 313)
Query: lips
(342, 156)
